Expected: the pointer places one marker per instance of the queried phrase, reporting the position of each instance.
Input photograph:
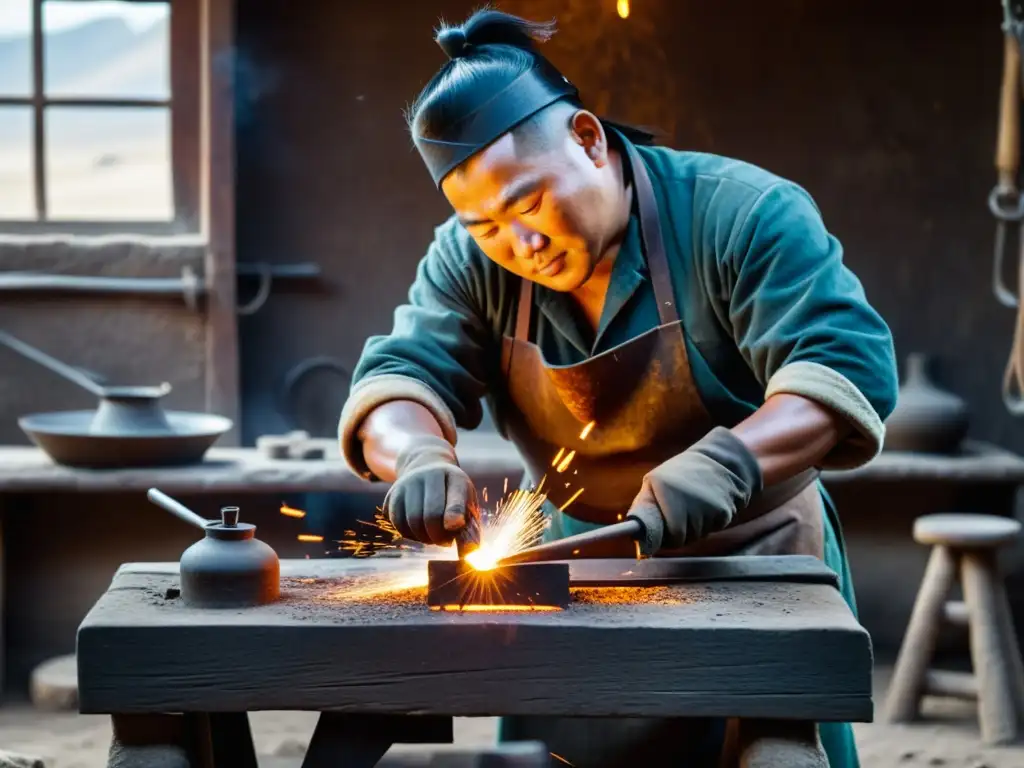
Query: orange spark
(564, 465)
(309, 537)
(587, 429)
(571, 500)
(516, 523)
(494, 608)
(291, 511)
(558, 457)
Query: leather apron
(643, 399)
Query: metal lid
(229, 528)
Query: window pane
(106, 49)
(17, 190)
(15, 47)
(109, 163)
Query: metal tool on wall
(190, 288)
(1006, 201)
(129, 428)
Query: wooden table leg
(222, 740)
(779, 744)
(149, 741)
(360, 741)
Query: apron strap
(524, 310)
(650, 234)
(653, 246)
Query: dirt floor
(948, 738)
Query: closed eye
(533, 208)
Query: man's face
(542, 213)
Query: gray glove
(432, 499)
(697, 492)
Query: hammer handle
(1008, 142)
(563, 549)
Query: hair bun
(453, 41)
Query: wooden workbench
(792, 648)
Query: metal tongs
(1006, 202)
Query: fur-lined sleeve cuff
(829, 388)
(375, 391)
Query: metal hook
(1007, 206)
(262, 293)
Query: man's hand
(697, 492)
(432, 499)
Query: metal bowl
(69, 438)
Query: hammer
(468, 539)
(628, 530)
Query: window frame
(183, 105)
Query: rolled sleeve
(803, 323)
(436, 354)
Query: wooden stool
(967, 543)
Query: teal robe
(762, 289)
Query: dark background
(885, 112)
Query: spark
(309, 537)
(412, 576)
(564, 465)
(622, 6)
(558, 457)
(561, 759)
(515, 524)
(382, 534)
(485, 494)
(571, 500)
(493, 608)
(291, 511)
(587, 429)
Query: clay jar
(926, 419)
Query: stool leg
(907, 684)
(990, 647)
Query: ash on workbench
(372, 590)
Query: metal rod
(304, 270)
(38, 108)
(177, 509)
(58, 101)
(468, 540)
(64, 370)
(189, 289)
(563, 549)
(17, 282)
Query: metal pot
(230, 567)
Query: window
(98, 117)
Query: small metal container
(229, 567)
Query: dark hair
(489, 50)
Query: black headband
(493, 115)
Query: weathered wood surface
(27, 469)
(728, 648)
(658, 571)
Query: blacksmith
(694, 307)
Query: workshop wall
(885, 112)
(125, 340)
